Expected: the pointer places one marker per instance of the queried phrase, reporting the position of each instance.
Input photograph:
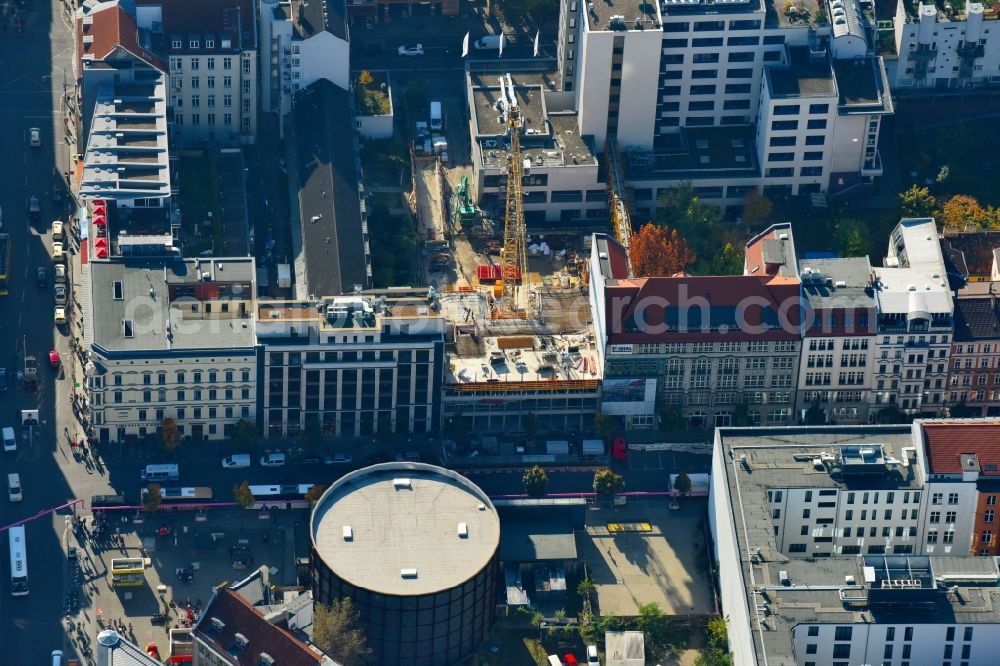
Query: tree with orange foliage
(962, 210)
(659, 251)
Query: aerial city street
(519, 332)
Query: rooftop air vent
(463, 530)
(348, 533)
(400, 483)
(408, 573)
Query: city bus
(180, 496)
(18, 562)
(4, 263)
(285, 496)
(128, 572)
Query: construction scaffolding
(621, 218)
(514, 259)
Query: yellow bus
(128, 572)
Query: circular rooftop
(405, 529)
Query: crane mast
(514, 265)
(621, 218)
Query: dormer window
(176, 44)
(194, 44)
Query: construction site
(523, 354)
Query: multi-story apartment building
(211, 50)
(915, 321)
(748, 95)
(970, 256)
(169, 338)
(942, 45)
(806, 580)
(302, 41)
(974, 379)
(838, 349)
(351, 365)
(710, 345)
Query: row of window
(177, 64)
(716, 26)
(788, 125)
(197, 377)
(788, 172)
(197, 395)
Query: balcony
(923, 54)
(873, 167)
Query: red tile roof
(948, 440)
(112, 28)
(730, 307)
(216, 18)
(239, 616)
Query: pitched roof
(771, 252)
(111, 28)
(946, 441)
(232, 19)
(976, 319)
(240, 617)
(333, 255)
(702, 309)
(971, 253)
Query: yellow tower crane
(514, 262)
(621, 218)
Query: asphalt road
(34, 65)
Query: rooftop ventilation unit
(348, 533)
(401, 483)
(408, 573)
(463, 531)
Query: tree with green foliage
(244, 433)
(703, 228)
(716, 652)
(371, 100)
(585, 589)
(852, 237)
(962, 411)
(604, 425)
(652, 622)
(153, 497)
(535, 480)
(815, 415)
(682, 483)
(170, 434)
(336, 632)
(243, 496)
(890, 415)
(741, 416)
(917, 202)
(607, 484)
(671, 419)
(394, 246)
(757, 208)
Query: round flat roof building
(415, 548)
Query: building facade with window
(169, 338)
(350, 366)
(974, 377)
(302, 41)
(210, 47)
(818, 587)
(717, 349)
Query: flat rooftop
(405, 516)
(486, 96)
(857, 82)
(562, 146)
(343, 312)
(837, 283)
(600, 12)
(519, 358)
(803, 77)
(820, 590)
(698, 151)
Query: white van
(437, 120)
(14, 487)
(554, 660)
(237, 461)
(155, 473)
(9, 441)
(57, 657)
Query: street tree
(716, 652)
(535, 480)
(659, 252)
(682, 483)
(671, 419)
(917, 202)
(756, 208)
(851, 237)
(153, 497)
(315, 493)
(703, 228)
(244, 433)
(815, 415)
(169, 434)
(607, 483)
(652, 622)
(336, 632)
(243, 496)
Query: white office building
(796, 589)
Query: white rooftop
(397, 528)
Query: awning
(101, 242)
(100, 220)
(102, 253)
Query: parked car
(309, 461)
(411, 50)
(592, 658)
(35, 137)
(58, 253)
(57, 230)
(54, 359)
(337, 459)
(34, 207)
(60, 272)
(60, 294)
(236, 461)
(41, 277)
(60, 315)
(273, 460)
